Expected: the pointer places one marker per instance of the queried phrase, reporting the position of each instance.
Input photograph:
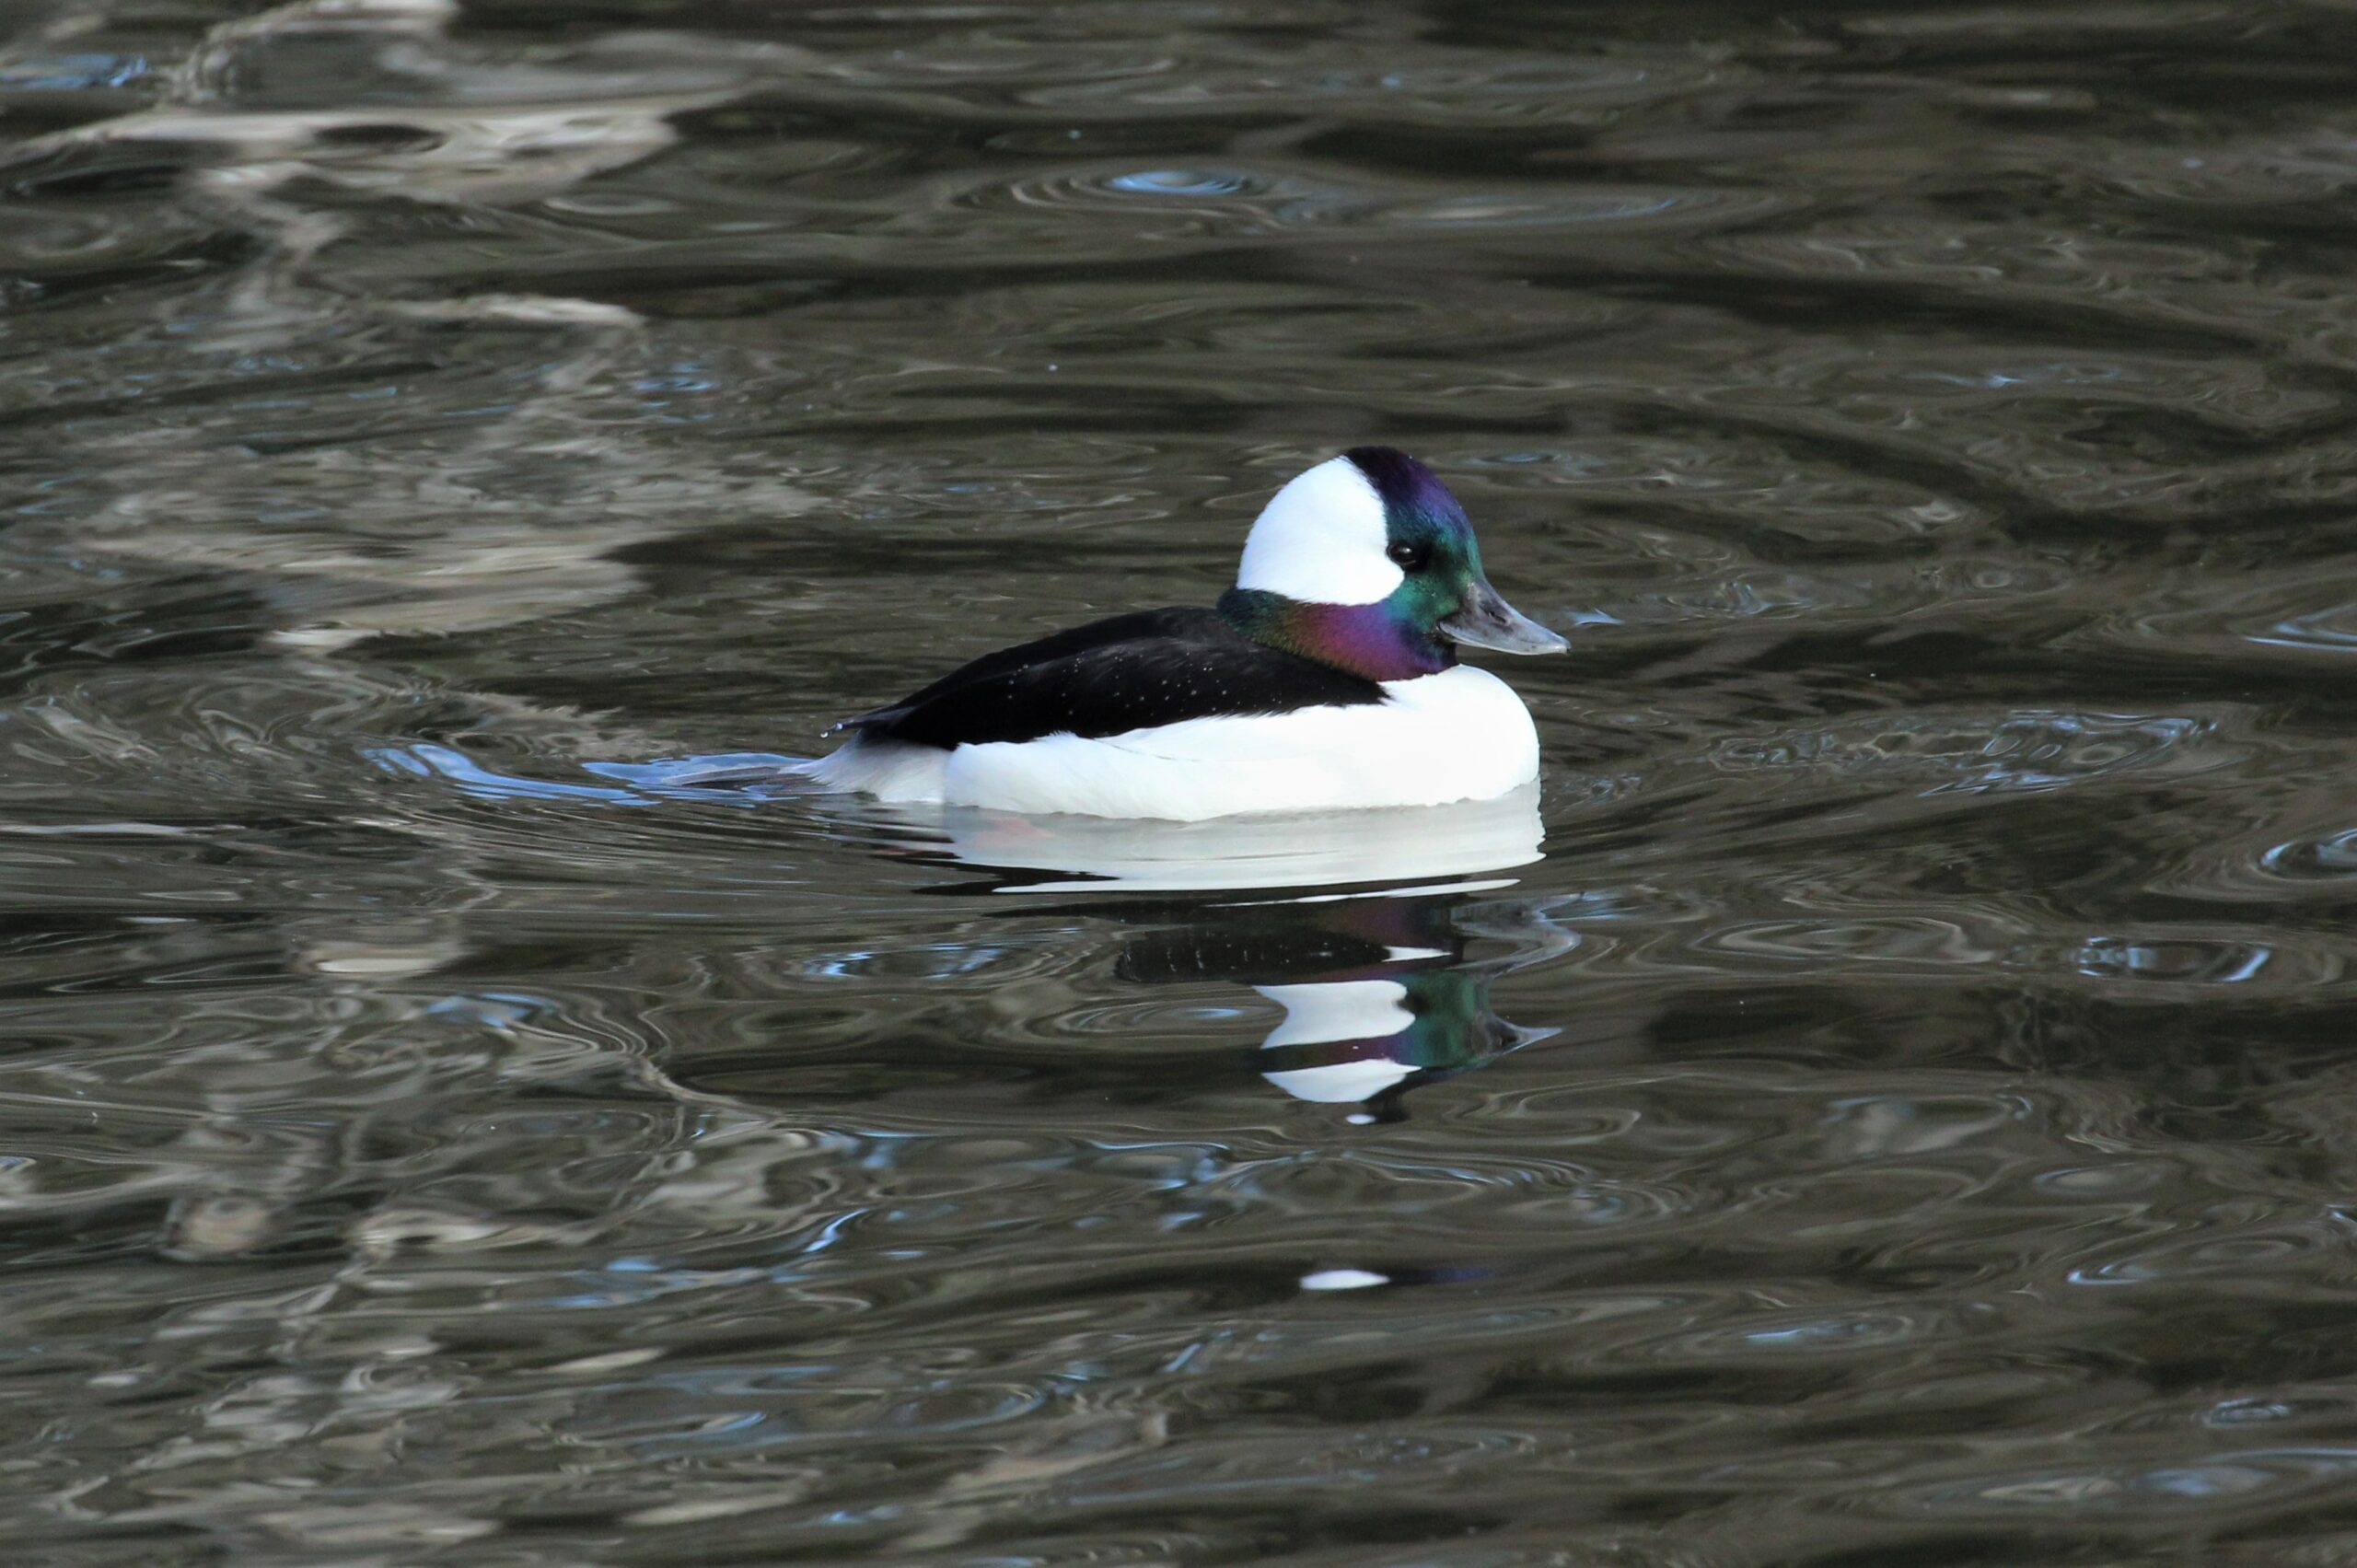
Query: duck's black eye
(1408, 557)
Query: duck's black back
(1155, 667)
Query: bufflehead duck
(1325, 679)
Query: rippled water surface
(1890, 1099)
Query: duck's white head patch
(1321, 541)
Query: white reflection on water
(1277, 851)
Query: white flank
(1321, 539)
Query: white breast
(1461, 735)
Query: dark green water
(1908, 1116)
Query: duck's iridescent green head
(1367, 562)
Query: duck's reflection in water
(1380, 933)
(1385, 988)
(1382, 993)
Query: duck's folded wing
(1131, 672)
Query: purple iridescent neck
(1377, 641)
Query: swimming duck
(1325, 679)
